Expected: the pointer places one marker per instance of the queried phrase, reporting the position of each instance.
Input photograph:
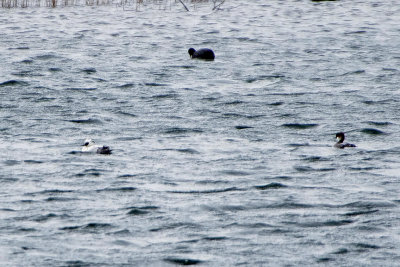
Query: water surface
(227, 162)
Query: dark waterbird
(203, 53)
(340, 139)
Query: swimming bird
(340, 139)
(203, 53)
(91, 147)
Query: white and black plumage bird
(91, 147)
(340, 140)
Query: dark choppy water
(217, 163)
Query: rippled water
(216, 163)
